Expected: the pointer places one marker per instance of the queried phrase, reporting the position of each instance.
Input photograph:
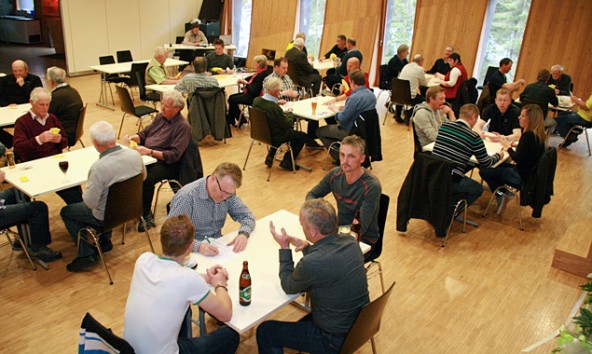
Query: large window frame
(311, 22)
(398, 28)
(242, 11)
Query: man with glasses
(207, 201)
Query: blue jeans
(304, 335)
(223, 341)
(566, 120)
(32, 213)
(503, 174)
(466, 188)
(77, 216)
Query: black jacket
(368, 128)
(426, 194)
(538, 189)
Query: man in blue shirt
(361, 100)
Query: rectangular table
(303, 108)
(169, 46)
(323, 65)
(223, 80)
(262, 253)
(491, 147)
(9, 114)
(120, 68)
(38, 177)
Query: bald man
(17, 87)
(345, 91)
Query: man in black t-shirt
(497, 79)
(502, 117)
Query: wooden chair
(376, 251)
(366, 325)
(400, 94)
(80, 126)
(127, 107)
(260, 132)
(124, 203)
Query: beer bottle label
(245, 294)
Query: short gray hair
(158, 51)
(176, 96)
(57, 75)
(272, 84)
(299, 42)
(37, 92)
(557, 67)
(261, 60)
(103, 133)
(320, 215)
(418, 58)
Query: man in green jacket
(281, 124)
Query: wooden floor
(491, 290)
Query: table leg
(103, 100)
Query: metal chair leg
(456, 208)
(373, 345)
(20, 241)
(95, 238)
(120, 126)
(277, 150)
(248, 153)
(147, 233)
(519, 210)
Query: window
(502, 34)
(241, 26)
(400, 15)
(312, 17)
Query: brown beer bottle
(244, 286)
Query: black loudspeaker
(211, 10)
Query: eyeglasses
(222, 190)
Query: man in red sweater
(34, 138)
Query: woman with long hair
(525, 153)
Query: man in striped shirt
(457, 142)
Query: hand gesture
(299, 243)
(217, 275)
(20, 81)
(208, 250)
(506, 144)
(239, 242)
(48, 137)
(495, 137)
(282, 239)
(143, 150)
(446, 109)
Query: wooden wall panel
(272, 27)
(557, 33)
(439, 23)
(353, 18)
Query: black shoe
(81, 264)
(46, 254)
(149, 219)
(269, 159)
(398, 119)
(106, 245)
(313, 145)
(570, 139)
(288, 166)
(16, 246)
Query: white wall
(93, 28)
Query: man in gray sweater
(115, 164)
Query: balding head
(20, 68)
(352, 64)
(418, 58)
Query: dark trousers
(156, 172)
(233, 109)
(71, 195)
(5, 138)
(467, 188)
(297, 140)
(304, 335)
(313, 81)
(223, 340)
(567, 120)
(331, 80)
(32, 213)
(503, 174)
(77, 216)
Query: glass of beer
(10, 159)
(313, 105)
